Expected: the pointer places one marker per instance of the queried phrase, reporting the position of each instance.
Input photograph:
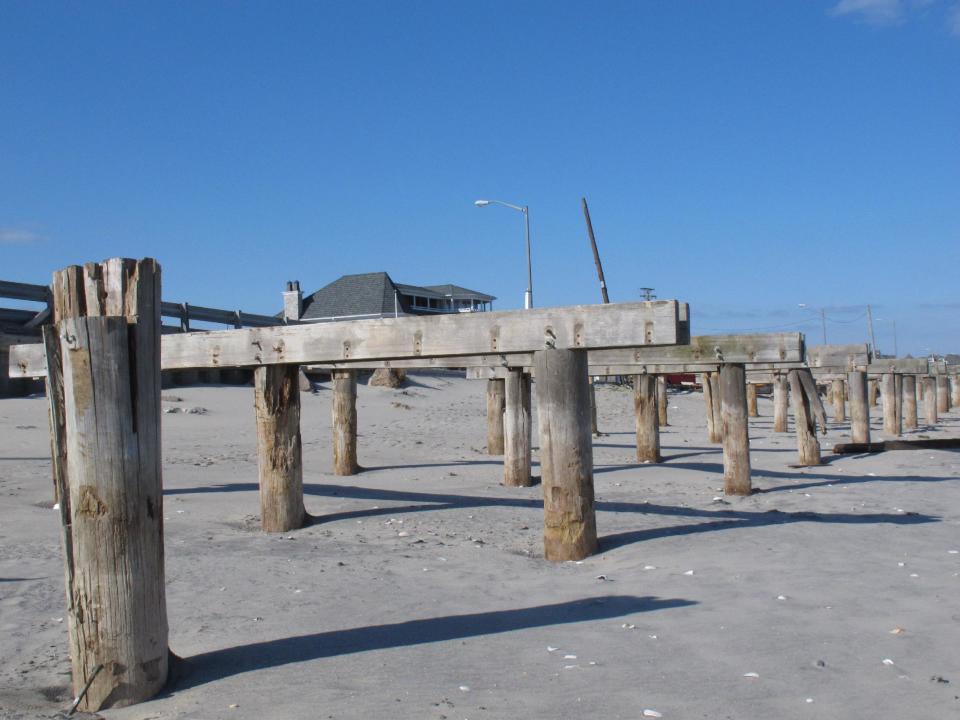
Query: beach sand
(420, 590)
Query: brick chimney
(292, 301)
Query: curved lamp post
(528, 295)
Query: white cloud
(953, 19)
(13, 236)
(876, 12)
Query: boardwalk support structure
(566, 454)
(106, 339)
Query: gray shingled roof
(460, 293)
(375, 294)
(364, 294)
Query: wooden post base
(736, 435)
(566, 454)
(344, 410)
(517, 428)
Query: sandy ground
(421, 592)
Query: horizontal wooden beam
(498, 333)
(843, 356)
(24, 291)
(700, 354)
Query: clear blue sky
(742, 156)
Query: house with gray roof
(376, 295)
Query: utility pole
(823, 322)
(596, 254)
(873, 342)
(647, 293)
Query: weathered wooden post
(711, 397)
(872, 384)
(888, 392)
(708, 403)
(662, 400)
(495, 408)
(276, 391)
(839, 401)
(594, 427)
(647, 418)
(344, 409)
(808, 447)
(517, 427)
(898, 396)
(955, 390)
(909, 402)
(943, 393)
(566, 454)
(859, 407)
(781, 398)
(752, 410)
(736, 436)
(106, 339)
(930, 400)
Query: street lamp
(823, 319)
(528, 295)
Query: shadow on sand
(218, 664)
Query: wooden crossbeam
(700, 355)
(618, 325)
(841, 356)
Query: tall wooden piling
(888, 393)
(781, 399)
(711, 398)
(594, 426)
(276, 390)
(566, 454)
(909, 402)
(930, 400)
(662, 401)
(106, 339)
(943, 394)
(859, 407)
(839, 401)
(752, 410)
(344, 408)
(647, 418)
(955, 390)
(808, 447)
(872, 385)
(517, 427)
(736, 437)
(496, 403)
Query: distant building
(376, 295)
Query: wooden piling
(594, 426)
(344, 409)
(888, 394)
(909, 402)
(647, 418)
(736, 436)
(107, 342)
(955, 390)
(496, 403)
(276, 391)
(839, 401)
(781, 399)
(930, 400)
(715, 400)
(711, 398)
(662, 400)
(859, 407)
(517, 428)
(566, 454)
(752, 410)
(872, 391)
(943, 394)
(808, 447)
